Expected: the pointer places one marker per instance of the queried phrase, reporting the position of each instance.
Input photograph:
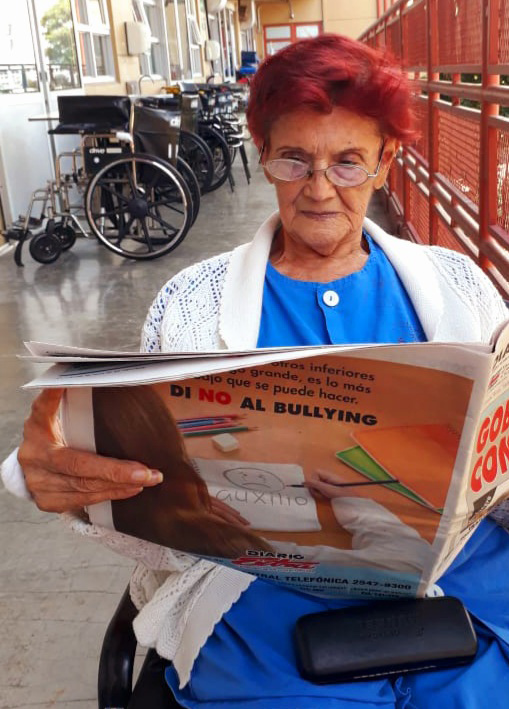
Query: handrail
(452, 187)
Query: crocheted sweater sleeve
(474, 287)
(183, 316)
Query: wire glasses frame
(340, 175)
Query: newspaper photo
(342, 471)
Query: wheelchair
(125, 181)
(220, 105)
(115, 688)
(191, 147)
(210, 113)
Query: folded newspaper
(354, 471)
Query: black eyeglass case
(384, 638)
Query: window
(56, 31)
(247, 41)
(232, 43)
(279, 36)
(174, 49)
(51, 29)
(225, 46)
(281, 32)
(227, 40)
(93, 29)
(217, 66)
(305, 31)
(151, 13)
(18, 70)
(184, 39)
(195, 38)
(202, 12)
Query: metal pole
(433, 146)
(488, 134)
(43, 78)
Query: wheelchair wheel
(196, 153)
(192, 183)
(45, 248)
(66, 234)
(139, 207)
(220, 155)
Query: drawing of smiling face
(254, 479)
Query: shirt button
(330, 298)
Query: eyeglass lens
(340, 175)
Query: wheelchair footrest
(33, 221)
(13, 234)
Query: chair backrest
(191, 105)
(247, 57)
(188, 87)
(157, 130)
(207, 98)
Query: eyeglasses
(341, 175)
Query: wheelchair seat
(92, 114)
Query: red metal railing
(452, 187)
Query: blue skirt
(249, 659)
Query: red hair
(328, 71)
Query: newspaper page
(336, 471)
(486, 479)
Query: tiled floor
(57, 592)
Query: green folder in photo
(357, 458)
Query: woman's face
(316, 214)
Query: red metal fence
(452, 187)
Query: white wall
(25, 157)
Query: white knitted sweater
(217, 304)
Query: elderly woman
(327, 115)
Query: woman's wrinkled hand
(61, 479)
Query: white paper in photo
(262, 493)
(77, 417)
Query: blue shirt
(370, 305)
(249, 660)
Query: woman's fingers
(60, 478)
(65, 502)
(84, 466)
(45, 406)
(43, 420)
(54, 481)
(76, 478)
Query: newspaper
(353, 471)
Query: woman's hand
(61, 479)
(327, 484)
